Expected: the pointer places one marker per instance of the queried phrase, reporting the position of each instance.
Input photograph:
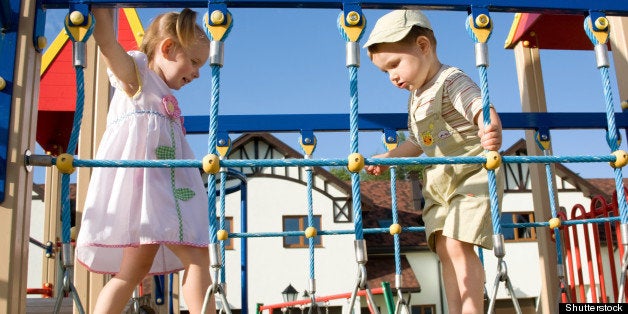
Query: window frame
(229, 244)
(516, 234)
(303, 241)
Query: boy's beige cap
(394, 26)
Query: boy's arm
(405, 149)
(116, 58)
(490, 135)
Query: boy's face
(407, 64)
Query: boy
(444, 119)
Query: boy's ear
(423, 43)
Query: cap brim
(387, 36)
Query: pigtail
(187, 29)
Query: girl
(145, 221)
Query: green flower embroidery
(183, 194)
(165, 152)
(180, 194)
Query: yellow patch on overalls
(427, 138)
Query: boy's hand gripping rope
(597, 28)
(479, 26)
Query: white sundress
(126, 207)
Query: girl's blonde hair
(180, 26)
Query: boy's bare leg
(463, 275)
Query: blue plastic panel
(394, 121)
(9, 13)
(610, 7)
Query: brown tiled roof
(379, 193)
(381, 268)
(606, 185)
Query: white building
(276, 200)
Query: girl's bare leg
(136, 262)
(196, 279)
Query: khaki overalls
(456, 196)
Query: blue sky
(287, 61)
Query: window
(299, 223)
(424, 309)
(229, 228)
(518, 233)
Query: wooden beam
(15, 210)
(619, 46)
(532, 96)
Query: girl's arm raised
(116, 58)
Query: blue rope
(223, 195)
(310, 218)
(211, 149)
(353, 90)
(486, 109)
(612, 129)
(395, 218)
(550, 185)
(66, 212)
(353, 123)
(565, 223)
(321, 232)
(235, 163)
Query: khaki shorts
(457, 202)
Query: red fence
(595, 247)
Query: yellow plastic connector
(482, 20)
(222, 235)
(354, 26)
(555, 223)
(353, 18)
(310, 232)
(211, 163)
(482, 33)
(64, 163)
(601, 23)
(77, 18)
(601, 31)
(42, 42)
(218, 30)
(77, 31)
(217, 17)
(621, 158)
(356, 162)
(493, 160)
(395, 229)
